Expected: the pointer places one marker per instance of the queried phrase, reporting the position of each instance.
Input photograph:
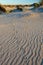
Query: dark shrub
(2, 9)
(36, 5)
(19, 8)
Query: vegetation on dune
(10, 8)
(41, 3)
(36, 5)
(19, 8)
(2, 9)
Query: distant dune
(7, 8)
(10, 8)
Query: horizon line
(17, 4)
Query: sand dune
(21, 40)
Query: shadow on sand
(39, 10)
(42, 62)
(16, 10)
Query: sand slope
(21, 39)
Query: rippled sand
(21, 39)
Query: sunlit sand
(21, 38)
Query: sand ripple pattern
(19, 46)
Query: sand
(21, 39)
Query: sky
(18, 1)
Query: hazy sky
(18, 1)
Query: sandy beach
(21, 38)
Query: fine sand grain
(21, 40)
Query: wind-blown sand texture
(21, 39)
